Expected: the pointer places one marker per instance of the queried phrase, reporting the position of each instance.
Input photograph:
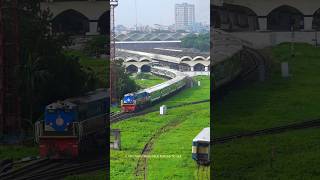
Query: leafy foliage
(200, 42)
(98, 66)
(123, 83)
(96, 46)
(46, 74)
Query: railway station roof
(174, 52)
(152, 36)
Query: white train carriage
(138, 100)
(178, 81)
(201, 147)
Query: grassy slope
(276, 102)
(179, 142)
(137, 131)
(151, 80)
(197, 93)
(98, 175)
(293, 155)
(17, 152)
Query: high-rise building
(184, 16)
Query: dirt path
(142, 165)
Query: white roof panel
(179, 76)
(204, 135)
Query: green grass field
(197, 93)
(277, 101)
(147, 80)
(292, 155)
(17, 152)
(176, 141)
(97, 175)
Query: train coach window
(203, 149)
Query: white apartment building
(184, 16)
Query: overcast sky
(150, 12)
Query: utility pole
(136, 8)
(113, 77)
(2, 74)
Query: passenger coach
(201, 147)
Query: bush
(96, 46)
(200, 42)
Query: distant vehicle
(70, 126)
(201, 147)
(138, 100)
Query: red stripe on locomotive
(59, 147)
(128, 107)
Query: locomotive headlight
(59, 121)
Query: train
(72, 125)
(201, 147)
(226, 71)
(132, 102)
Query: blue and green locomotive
(138, 100)
(68, 125)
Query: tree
(96, 46)
(46, 73)
(124, 84)
(33, 75)
(200, 42)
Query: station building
(141, 60)
(266, 23)
(79, 17)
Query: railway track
(53, 169)
(268, 131)
(142, 165)
(116, 117)
(203, 172)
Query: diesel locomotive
(69, 126)
(139, 100)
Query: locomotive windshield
(128, 99)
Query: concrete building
(266, 23)
(147, 44)
(179, 59)
(79, 17)
(184, 16)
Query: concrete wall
(264, 7)
(91, 9)
(264, 39)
